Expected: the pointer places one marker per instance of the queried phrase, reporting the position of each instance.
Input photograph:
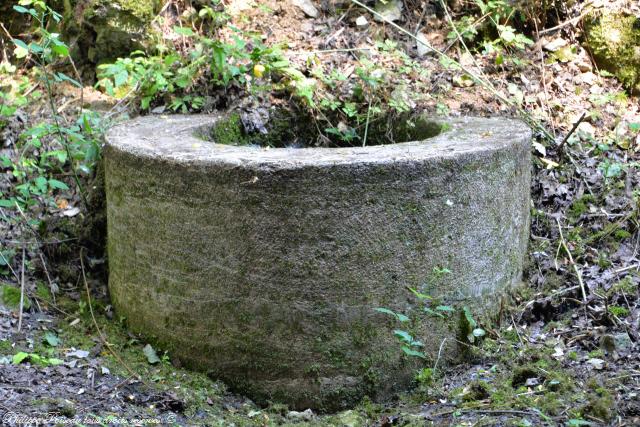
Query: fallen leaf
(71, 212)
(596, 363)
(51, 339)
(62, 203)
(152, 357)
(550, 163)
(80, 354)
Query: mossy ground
(502, 373)
(206, 401)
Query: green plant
(37, 359)
(11, 297)
(408, 344)
(425, 376)
(47, 148)
(469, 330)
(618, 311)
(171, 74)
(493, 29)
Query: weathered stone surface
(264, 266)
(614, 39)
(103, 30)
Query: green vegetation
(48, 147)
(613, 37)
(492, 29)
(202, 62)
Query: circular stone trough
(263, 267)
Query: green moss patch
(283, 129)
(614, 40)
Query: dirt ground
(565, 353)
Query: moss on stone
(282, 276)
(614, 39)
(228, 131)
(295, 129)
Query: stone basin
(263, 267)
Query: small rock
(390, 10)
(462, 80)
(422, 44)
(588, 78)
(71, 212)
(532, 382)
(622, 342)
(586, 130)
(361, 21)
(307, 7)
(555, 44)
(558, 353)
(596, 363)
(584, 65)
(80, 354)
(467, 61)
(159, 110)
(306, 415)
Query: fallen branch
(573, 129)
(568, 22)
(24, 254)
(572, 262)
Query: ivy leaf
(61, 77)
(469, 317)
(61, 49)
(385, 311)
(121, 78)
(20, 357)
(21, 50)
(51, 339)
(183, 31)
(432, 312)
(35, 48)
(420, 295)
(41, 183)
(54, 183)
(411, 352)
(401, 317)
(403, 335)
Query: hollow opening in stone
(283, 129)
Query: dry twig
(572, 262)
(24, 254)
